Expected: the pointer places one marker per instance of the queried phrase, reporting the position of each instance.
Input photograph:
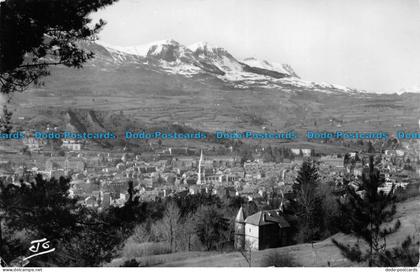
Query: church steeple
(240, 217)
(201, 171)
(240, 229)
(201, 156)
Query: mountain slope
(204, 87)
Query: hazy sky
(366, 44)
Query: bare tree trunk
(171, 233)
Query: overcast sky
(366, 44)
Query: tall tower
(201, 171)
(240, 229)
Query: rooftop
(266, 218)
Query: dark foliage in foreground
(43, 209)
(278, 259)
(370, 213)
(405, 255)
(35, 34)
(38, 34)
(306, 203)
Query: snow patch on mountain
(254, 62)
(140, 50)
(178, 67)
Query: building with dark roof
(261, 230)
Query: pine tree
(306, 201)
(368, 210)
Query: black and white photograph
(209, 133)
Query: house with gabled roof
(261, 230)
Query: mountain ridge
(203, 58)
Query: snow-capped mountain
(203, 58)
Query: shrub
(143, 263)
(130, 263)
(278, 259)
(136, 250)
(148, 262)
(406, 255)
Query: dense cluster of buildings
(100, 179)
